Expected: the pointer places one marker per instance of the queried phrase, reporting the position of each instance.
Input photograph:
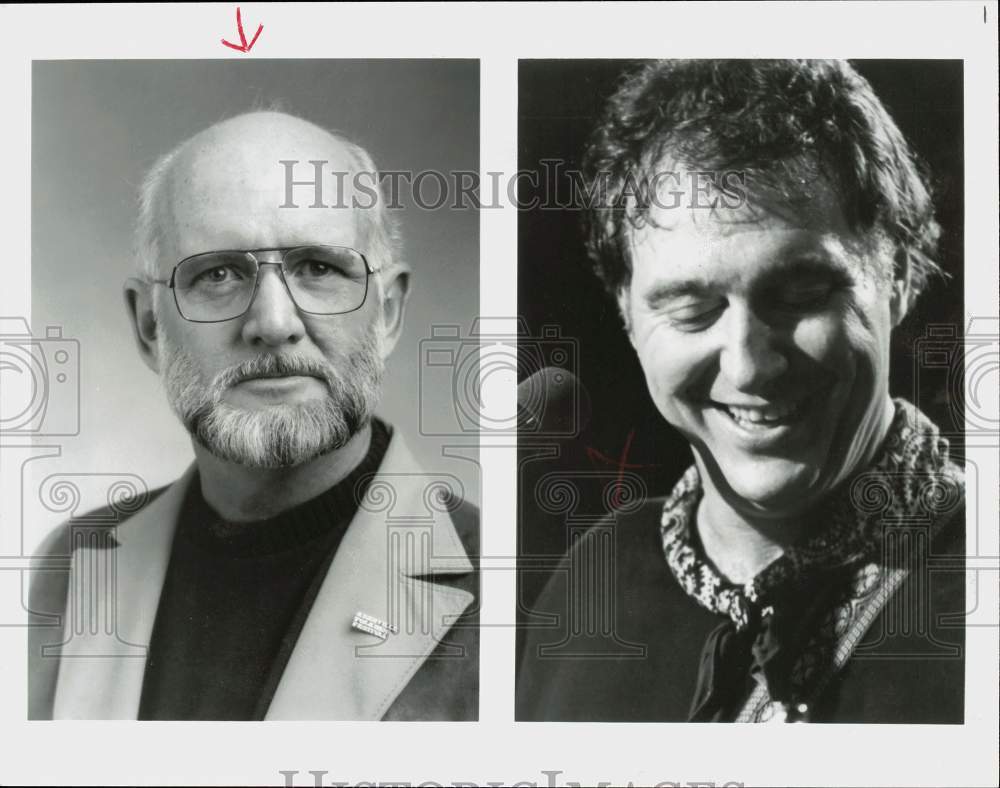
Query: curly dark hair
(757, 116)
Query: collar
(911, 465)
(331, 510)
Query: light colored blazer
(401, 560)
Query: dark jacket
(624, 641)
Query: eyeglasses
(321, 280)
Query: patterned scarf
(910, 477)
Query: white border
(497, 749)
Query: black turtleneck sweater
(236, 596)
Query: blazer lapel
(399, 540)
(400, 535)
(112, 599)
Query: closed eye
(807, 286)
(807, 296)
(693, 317)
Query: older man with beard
(269, 581)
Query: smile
(762, 416)
(767, 427)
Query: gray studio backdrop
(97, 126)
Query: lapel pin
(373, 626)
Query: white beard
(275, 436)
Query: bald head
(225, 188)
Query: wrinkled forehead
(259, 189)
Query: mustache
(271, 366)
(276, 436)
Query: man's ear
(139, 305)
(901, 294)
(395, 292)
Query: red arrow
(243, 46)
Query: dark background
(559, 105)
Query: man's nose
(751, 356)
(273, 319)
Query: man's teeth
(766, 415)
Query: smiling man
(786, 576)
(267, 582)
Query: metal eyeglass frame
(283, 250)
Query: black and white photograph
(759, 270)
(467, 395)
(276, 535)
